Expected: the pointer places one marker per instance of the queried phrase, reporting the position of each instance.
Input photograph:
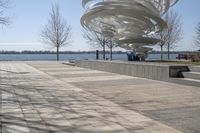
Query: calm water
(65, 57)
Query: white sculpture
(130, 23)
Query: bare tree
(4, 19)
(111, 44)
(57, 32)
(172, 34)
(162, 43)
(197, 38)
(174, 30)
(96, 40)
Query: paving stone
(47, 102)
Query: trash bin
(97, 54)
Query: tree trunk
(57, 52)
(161, 52)
(104, 52)
(168, 51)
(110, 53)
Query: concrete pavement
(51, 97)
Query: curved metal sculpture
(130, 23)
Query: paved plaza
(50, 97)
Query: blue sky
(29, 16)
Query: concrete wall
(144, 70)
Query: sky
(28, 17)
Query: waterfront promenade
(50, 97)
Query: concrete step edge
(192, 72)
(194, 68)
(186, 81)
(191, 75)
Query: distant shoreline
(53, 52)
(86, 52)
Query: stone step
(194, 68)
(192, 75)
(69, 63)
(186, 81)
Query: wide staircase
(190, 78)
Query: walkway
(49, 97)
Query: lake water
(66, 57)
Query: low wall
(153, 71)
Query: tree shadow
(20, 94)
(12, 123)
(14, 72)
(20, 125)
